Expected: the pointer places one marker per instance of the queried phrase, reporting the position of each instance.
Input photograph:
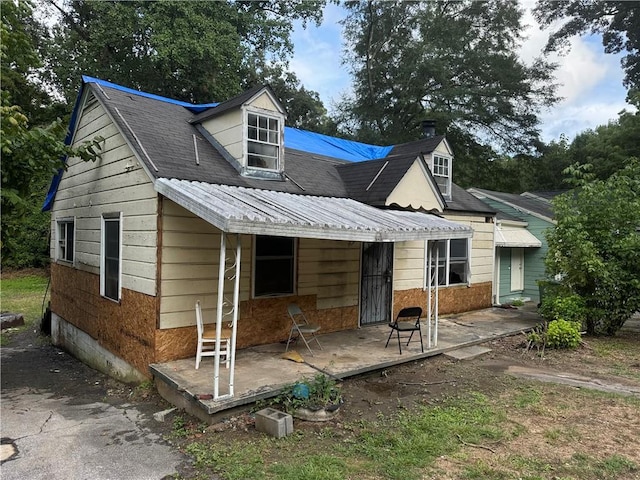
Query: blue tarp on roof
(331, 146)
(294, 138)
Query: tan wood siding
(331, 270)
(190, 258)
(114, 183)
(481, 245)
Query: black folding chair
(408, 320)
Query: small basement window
(66, 239)
(263, 141)
(274, 266)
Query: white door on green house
(517, 269)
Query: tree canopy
(617, 21)
(453, 62)
(192, 51)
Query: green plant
(563, 305)
(563, 334)
(312, 393)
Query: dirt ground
(385, 392)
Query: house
(225, 204)
(521, 246)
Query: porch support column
(433, 282)
(225, 275)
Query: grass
(23, 294)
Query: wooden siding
(534, 268)
(228, 130)
(329, 270)
(414, 190)
(114, 183)
(408, 271)
(481, 245)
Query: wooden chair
(408, 320)
(300, 327)
(207, 339)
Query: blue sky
(590, 81)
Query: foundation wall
(126, 329)
(454, 299)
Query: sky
(590, 81)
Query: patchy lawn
(23, 292)
(440, 419)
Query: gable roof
(526, 204)
(232, 103)
(167, 139)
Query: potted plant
(314, 399)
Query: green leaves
(595, 245)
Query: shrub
(312, 393)
(564, 305)
(563, 334)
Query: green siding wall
(533, 257)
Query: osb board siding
(116, 182)
(261, 322)
(126, 329)
(450, 299)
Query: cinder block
(273, 422)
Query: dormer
(249, 131)
(440, 162)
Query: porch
(261, 372)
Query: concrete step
(467, 353)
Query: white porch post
(220, 314)
(433, 282)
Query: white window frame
(277, 144)
(106, 218)
(62, 239)
(441, 166)
(294, 260)
(445, 258)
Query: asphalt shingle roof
(164, 133)
(527, 203)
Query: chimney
(428, 128)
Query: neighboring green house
(520, 241)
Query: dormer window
(441, 170)
(263, 141)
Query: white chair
(300, 327)
(207, 339)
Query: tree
(31, 152)
(193, 51)
(453, 62)
(617, 21)
(595, 245)
(608, 148)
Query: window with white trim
(441, 169)
(66, 229)
(274, 266)
(453, 261)
(110, 256)
(263, 141)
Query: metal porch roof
(266, 212)
(515, 237)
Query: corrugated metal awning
(515, 237)
(266, 212)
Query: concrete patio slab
(467, 353)
(261, 372)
